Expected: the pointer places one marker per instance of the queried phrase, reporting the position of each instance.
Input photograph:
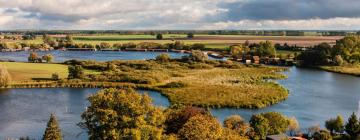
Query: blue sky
(180, 14)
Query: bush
(159, 36)
(55, 76)
(76, 72)
(163, 57)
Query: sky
(180, 14)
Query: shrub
(76, 72)
(55, 76)
(163, 57)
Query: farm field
(210, 41)
(27, 71)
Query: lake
(315, 96)
(61, 56)
(25, 112)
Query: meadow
(212, 83)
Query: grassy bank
(350, 70)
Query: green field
(351, 70)
(27, 71)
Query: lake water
(25, 112)
(61, 56)
(315, 96)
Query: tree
(335, 125)
(48, 58)
(122, 114)
(266, 49)
(5, 77)
(55, 76)
(49, 40)
(177, 118)
(338, 60)
(237, 124)
(352, 127)
(237, 51)
(260, 126)
(69, 39)
(159, 36)
(52, 131)
(76, 72)
(277, 122)
(33, 57)
(163, 57)
(198, 46)
(201, 127)
(322, 135)
(190, 35)
(293, 126)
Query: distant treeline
(208, 32)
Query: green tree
(159, 36)
(163, 57)
(322, 135)
(52, 131)
(122, 114)
(266, 49)
(55, 76)
(190, 35)
(198, 46)
(201, 127)
(348, 48)
(335, 125)
(5, 77)
(33, 57)
(260, 126)
(48, 58)
(237, 124)
(75, 72)
(277, 122)
(352, 127)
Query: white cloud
(144, 14)
(309, 24)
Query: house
(283, 137)
(255, 60)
